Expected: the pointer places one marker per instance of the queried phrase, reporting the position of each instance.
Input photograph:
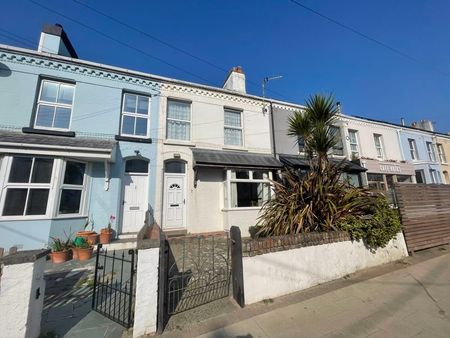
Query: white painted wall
(20, 311)
(243, 218)
(366, 129)
(205, 203)
(279, 273)
(146, 306)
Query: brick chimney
(54, 40)
(235, 80)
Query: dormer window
(54, 106)
(135, 115)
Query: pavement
(408, 298)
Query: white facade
(205, 205)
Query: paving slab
(402, 299)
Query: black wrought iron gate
(198, 271)
(114, 285)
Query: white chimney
(427, 125)
(235, 80)
(55, 41)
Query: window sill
(240, 148)
(27, 130)
(179, 143)
(241, 209)
(132, 139)
(38, 218)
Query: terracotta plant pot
(85, 254)
(60, 256)
(92, 239)
(74, 253)
(85, 234)
(105, 236)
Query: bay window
(178, 120)
(72, 188)
(54, 106)
(247, 188)
(233, 127)
(28, 186)
(41, 187)
(135, 115)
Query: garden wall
(277, 266)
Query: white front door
(174, 201)
(134, 202)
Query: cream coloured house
(215, 157)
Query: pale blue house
(419, 148)
(77, 142)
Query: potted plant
(60, 250)
(82, 250)
(89, 235)
(106, 233)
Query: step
(121, 244)
(128, 235)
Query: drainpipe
(272, 127)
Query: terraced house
(75, 143)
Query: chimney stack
(54, 40)
(402, 121)
(235, 80)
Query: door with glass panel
(174, 194)
(135, 192)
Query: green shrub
(377, 228)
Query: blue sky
(272, 38)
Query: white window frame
(135, 115)
(54, 104)
(63, 186)
(241, 128)
(340, 142)
(178, 120)
(441, 153)
(356, 143)
(413, 149)
(380, 148)
(230, 180)
(431, 152)
(5, 172)
(434, 176)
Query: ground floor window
(420, 176)
(41, 186)
(376, 181)
(385, 181)
(435, 176)
(353, 179)
(247, 188)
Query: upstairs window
(28, 186)
(431, 153)
(338, 148)
(233, 127)
(413, 149)
(54, 106)
(135, 115)
(178, 120)
(353, 138)
(441, 153)
(377, 138)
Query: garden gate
(114, 285)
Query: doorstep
(121, 244)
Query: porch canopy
(222, 158)
(92, 149)
(298, 162)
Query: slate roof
(296, 162)
(18, 137)
(222, 158)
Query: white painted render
(205, 202)
(146, 306)
(366, 130)
(279, 273)
(20, 311)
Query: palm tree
(313, 128)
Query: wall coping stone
(260, 246)
(25, 256)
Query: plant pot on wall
(60, 256)
(92, 239)
(105, 236)
(85, 254)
